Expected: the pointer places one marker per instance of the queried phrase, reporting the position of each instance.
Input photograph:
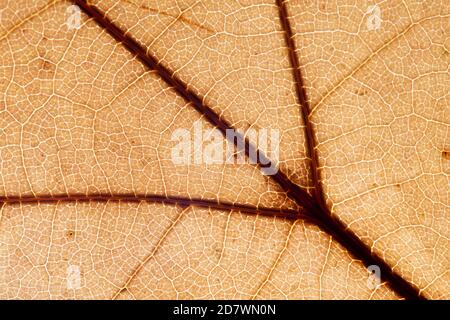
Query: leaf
(94, 207)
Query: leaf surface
(87, 178)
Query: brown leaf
(93, 205)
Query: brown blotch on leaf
(46, 65)
(123, 290)
(361, 92)
(446, 154)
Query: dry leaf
(93, 205)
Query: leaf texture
(87, 179)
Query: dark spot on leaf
(46, 65)
(70, 234)
(446, 154)
(361, 92)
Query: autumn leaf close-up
(233, 149)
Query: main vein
(155, 198)
(328, 222)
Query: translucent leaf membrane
(15, 13)
(233, 55)
(381, 119)
(80, 115)
(119, 250)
